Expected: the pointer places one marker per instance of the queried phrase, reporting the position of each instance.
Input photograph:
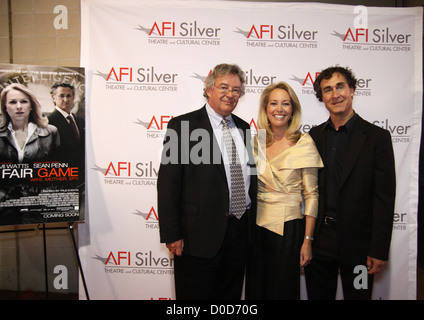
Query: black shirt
(335, 154)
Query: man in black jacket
(356, 194)
(197, 218)
(71, 127)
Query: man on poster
(197, 201)
(356, 194)
(71, 127)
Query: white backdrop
(146, 61)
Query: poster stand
(71, 230)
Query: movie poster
(42, 152)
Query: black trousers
(274, 267)
(218, 278)
(321, 274)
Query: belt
(330, 221)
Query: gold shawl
(286, 183)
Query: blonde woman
(287, 164)
(25, 135)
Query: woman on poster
(25, 135)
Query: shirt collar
(31, 127)
(348, 125)
(215, 118)
(65, 114)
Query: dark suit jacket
(366, 195)
(193, 199)
(71, 150)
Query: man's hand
(176, 248)
(375, 265)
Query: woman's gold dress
(285, 181)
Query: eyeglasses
(224, 90)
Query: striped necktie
(238, 195)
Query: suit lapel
(320, 142)
(238, 125)
(80, 124)
(216, 156)
(62, 119)
(356, 144)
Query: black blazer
(193, 199)
(71, 150)
(366, 196)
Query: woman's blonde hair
(35, 115)
(293, 132)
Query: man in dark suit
(357, 194)
(71, 127)
(197, 216)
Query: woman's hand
(306, 253)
